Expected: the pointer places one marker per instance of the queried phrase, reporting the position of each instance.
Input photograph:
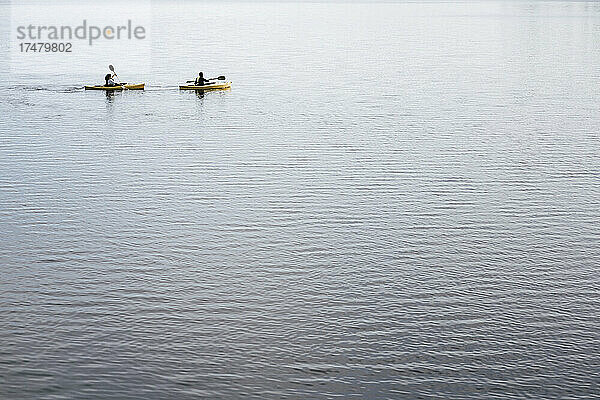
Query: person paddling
(108, 78)
(200, 81)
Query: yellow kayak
(212, 86)
(139, 86)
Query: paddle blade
(111, 68)
(221, 78)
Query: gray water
(394, 200)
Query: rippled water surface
(394, 200)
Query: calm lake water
(394, 200)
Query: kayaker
(200, 81)
(109, 80)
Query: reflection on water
(199, 94)
(110, 95)
(395, 200)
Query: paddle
(113, 71)
(221, 78)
